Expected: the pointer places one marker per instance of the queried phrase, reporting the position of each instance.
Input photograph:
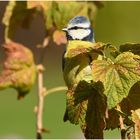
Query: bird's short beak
(65, 29)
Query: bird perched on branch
(84, 103)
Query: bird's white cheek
(79, 33)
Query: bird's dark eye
(76, 27)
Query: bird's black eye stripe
(76, 27)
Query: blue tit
(78, 77)
(79, 28)
(78, 33)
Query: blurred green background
(116, 22)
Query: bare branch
(39, 110)
(42, 92)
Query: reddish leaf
(19, 69)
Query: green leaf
(16, 15)
(117, 76)
(19, 70)
(136, 120)
(132, 47)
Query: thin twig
(39, 111)
(56, 89)
(122, 127)
(42, 92)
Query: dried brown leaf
(59, 37)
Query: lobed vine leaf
(19, 70)
(117, 77)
